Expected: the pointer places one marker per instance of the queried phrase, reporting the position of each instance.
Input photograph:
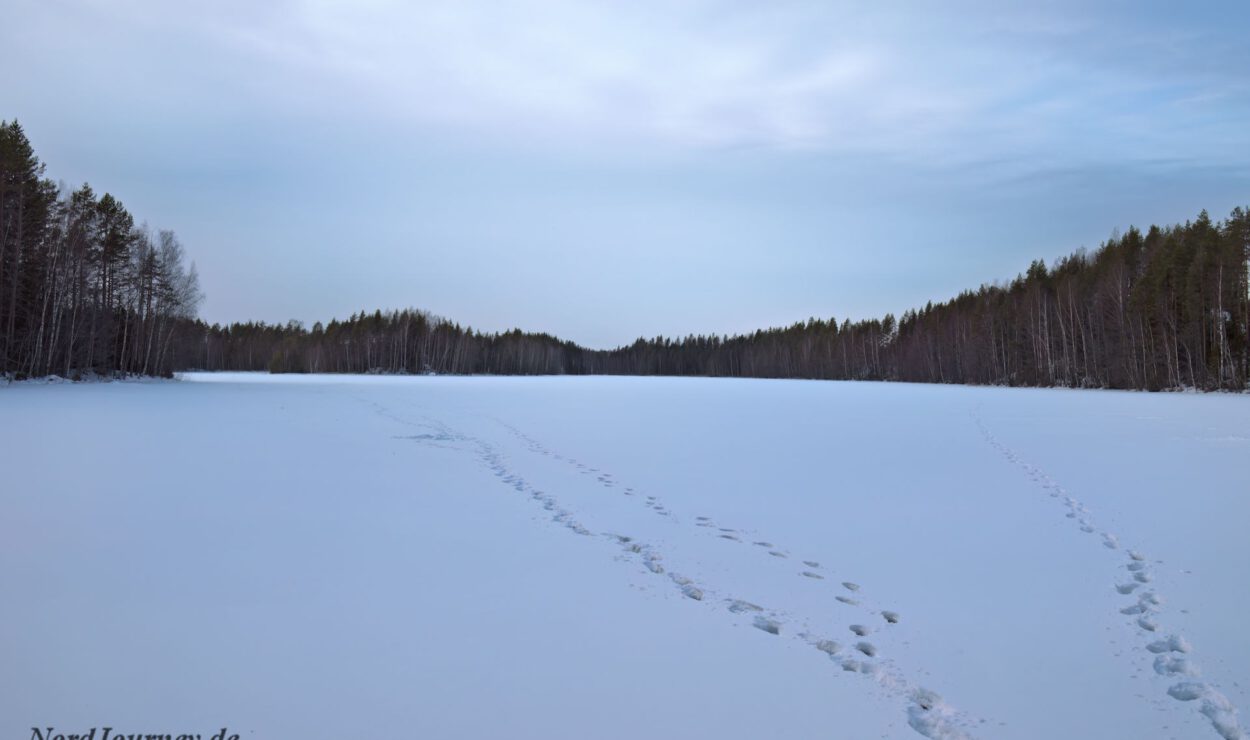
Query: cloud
(964, 82)
(688, 75)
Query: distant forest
(83, 290)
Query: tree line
(83, 289)
(407, 341)
(1167, 308)
(1164, 308)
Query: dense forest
(84, 290)
(1168, 308)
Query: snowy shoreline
(204, 375)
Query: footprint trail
(1144, 607)
(926, 713)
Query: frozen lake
(480, 557)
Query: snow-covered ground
(317, 557)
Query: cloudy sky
(609, 170)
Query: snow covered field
(440, 557)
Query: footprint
(1127, 588)
(771, 626)
(828, 646)
(1170, 644)
(889, 616)
(859, 630)
(762, 544)
(931, 717)
(1187, 691)
(737, 606)
(776, 554)
(810, 574)
(847, 600)
(1174, 665)
(850, 586)
(867, 648)
(687, 587)
(1146, 603)
(811, 563)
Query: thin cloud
(972, 82)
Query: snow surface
(336, 556)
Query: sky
(608, 170)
